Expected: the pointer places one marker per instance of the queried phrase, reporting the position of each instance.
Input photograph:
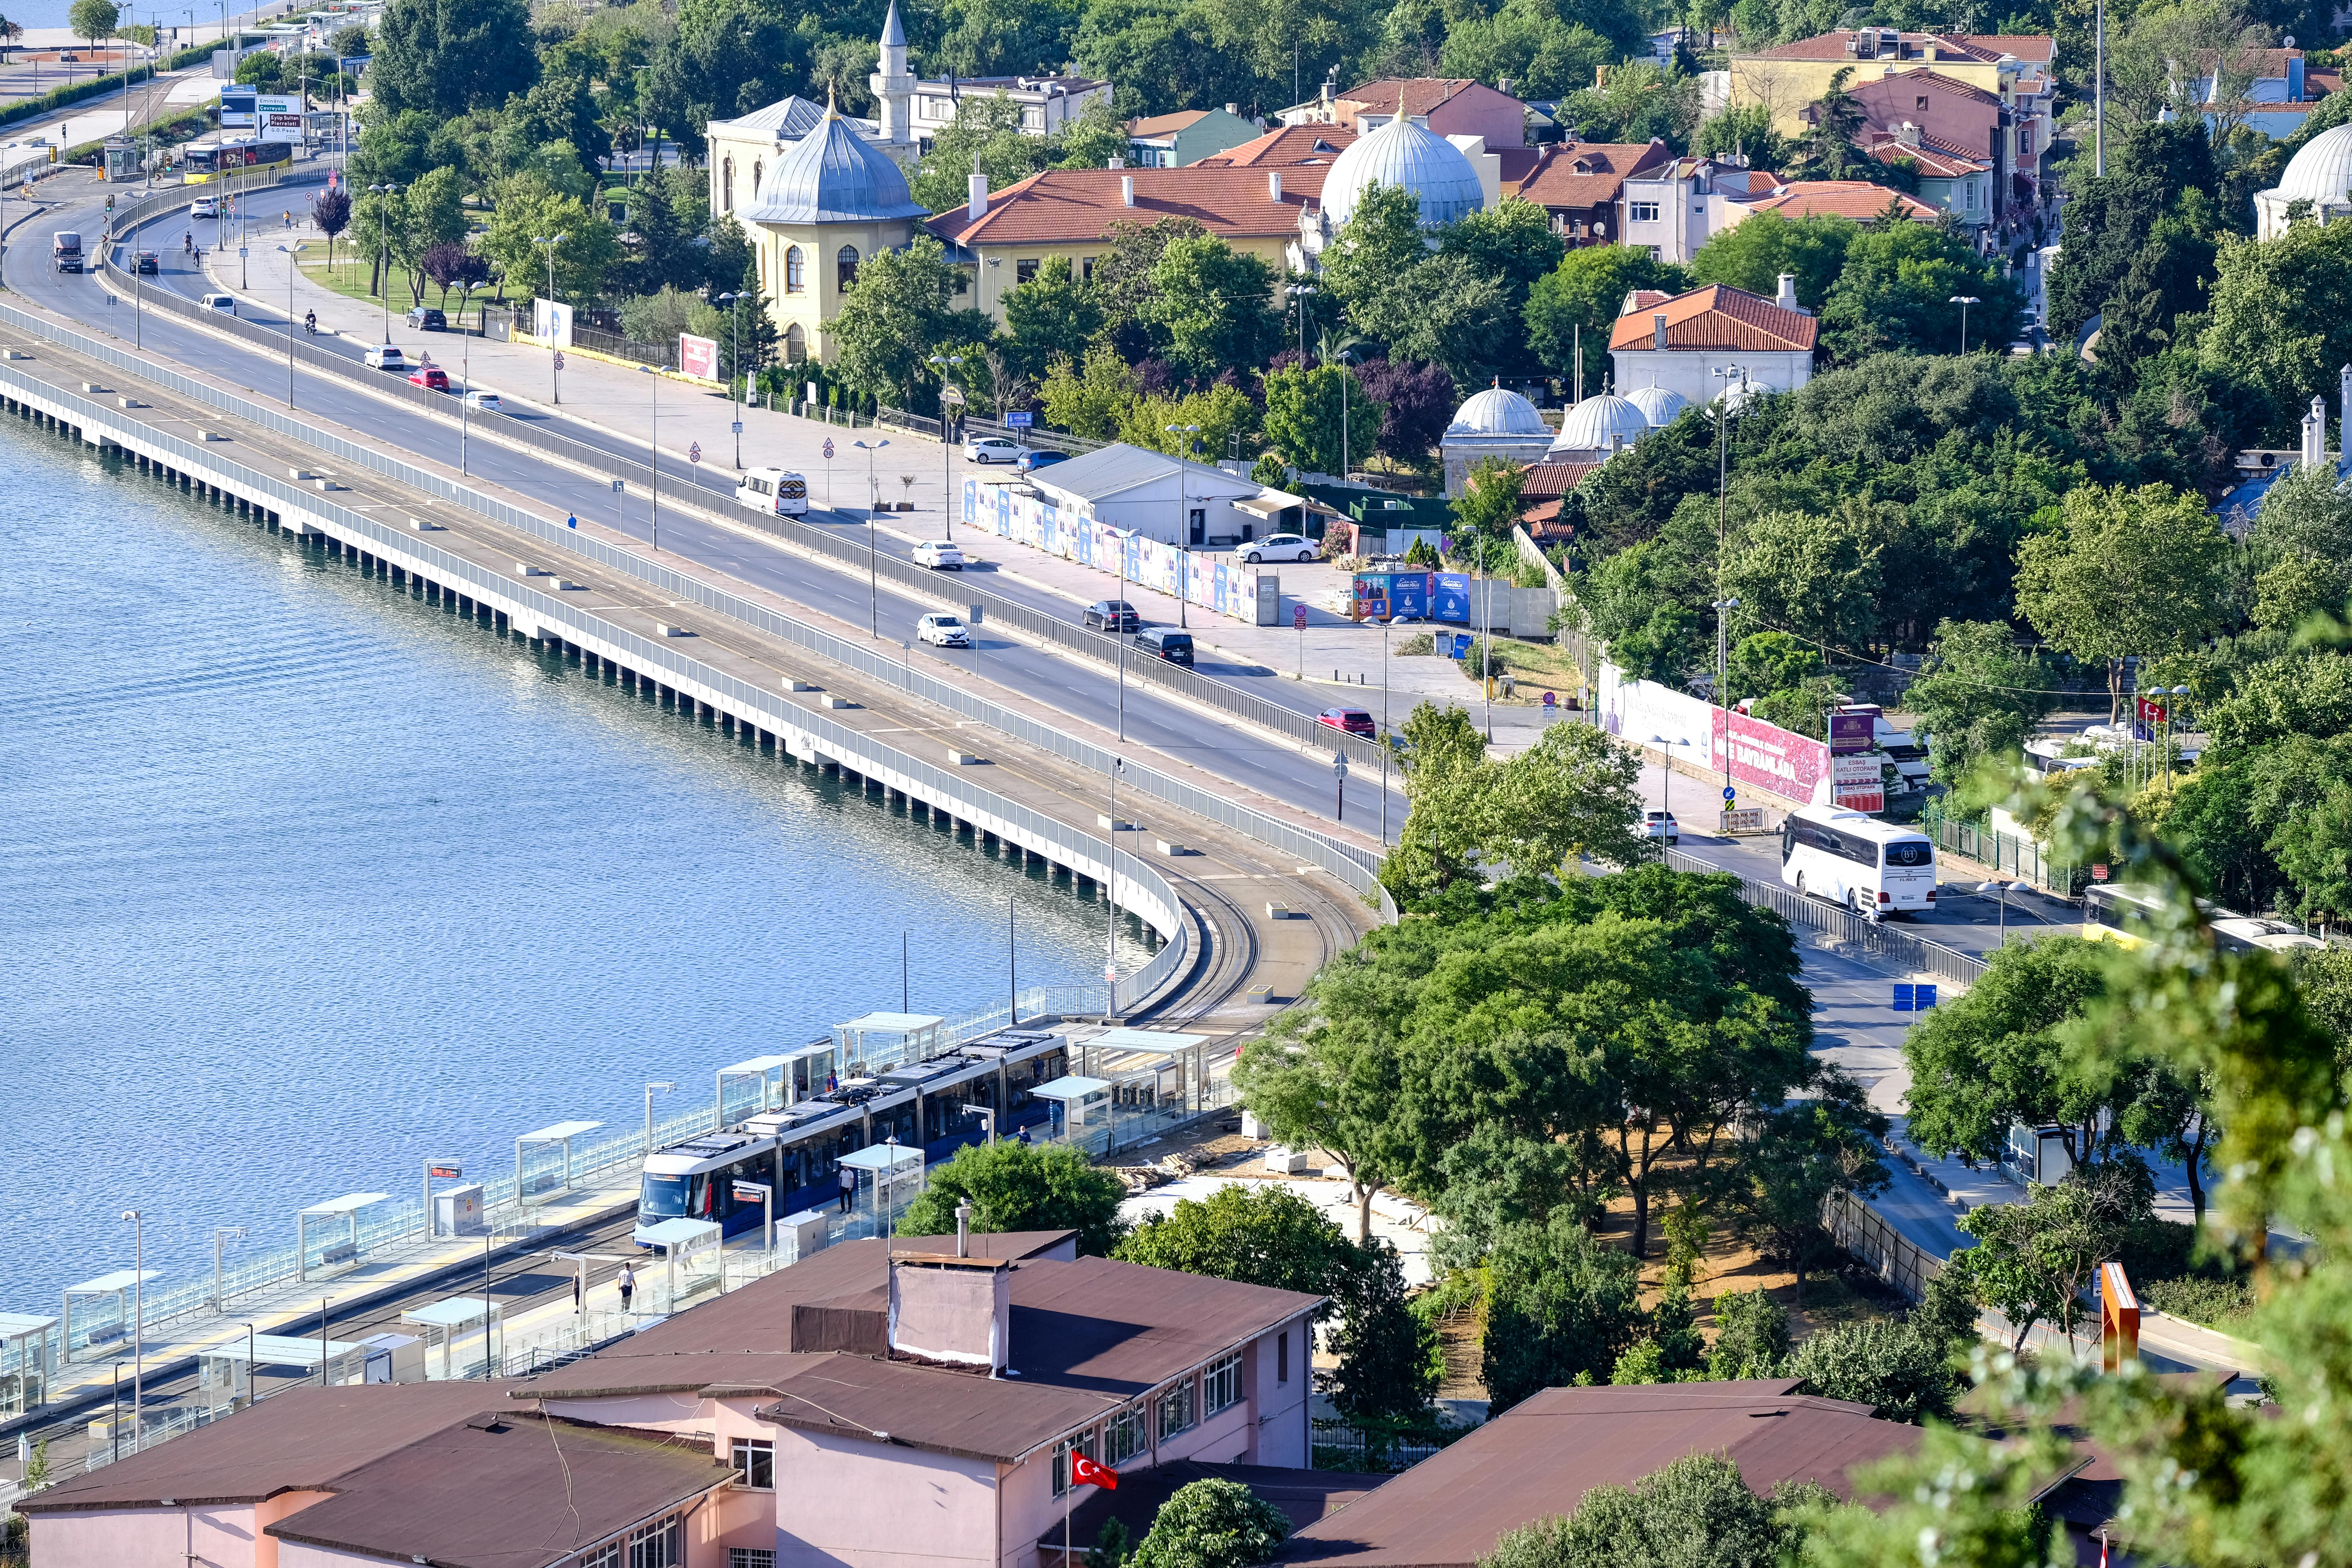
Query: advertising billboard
(1391, 596)
(1850, 733)
(1858, 783)
(1450, 597)
(552, 323)
(1771, 758)
(698, 357)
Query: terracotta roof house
(1291, 146)
(1678, 344)
(1539, 1457)
(999, 239)
(1857, 199)
(1578, 184)
(1450, 106)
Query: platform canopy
(561, 1133)
(1070, 1090)
(755, 1067)
(677, 1233)
(882, 1158)
(349, 1203)
(457, 1312)
(282, 1350)
(122, 1279)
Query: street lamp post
(873, 549)
(465, 373)
(554, 354)
(1665, 772)
(664, 1088)
(384, 251)
(1964, 302)
(1723, 608)
(947, 473)
(291, 251)
(1302, 292)
(1385, 630)
(1183, 523)
(735, 367)
(653, 455)
(137, 1319)
(2000, 891)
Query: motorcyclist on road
(310, 322)
(188, 243)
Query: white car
(385, 356)
(205, 207)
(1280, 547)
(938, 555)
(224, 303)
(993, 449)
(482, 401)
(944, 630)
(1661, 824)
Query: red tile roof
(1979, 48)
(1930, 77)
(1717, 317)
(1856, 199)
(1069, 205)
(1749, 183)
(1422, 94)
(2038, 48)
(1290, 147)
(1578, 174)
(1549, 481)
(1933, 157)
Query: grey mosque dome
(1657, 405)
(1498, 411)
(2322, 171)
(1603, 423)
(832, 174)
(1410, 157)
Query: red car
(1355, 720)
(429, 375)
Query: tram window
(664, 1198)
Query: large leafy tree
(1319, 418)
(1754, 252)
(1894, 292)
(1696, 1512)
(2282, 315)
(1794, 1158)
(1559, 1306)
(895, 311)
(1991, 1059)
(1417, 402)
(1579, 300)
(1893, 1366)
(1021, 1186)
(446, 57)
(1212, 1524)
(1212, 306)
(1056, 312)
(530, 208)
(1977, 696)
(1380, 244)
(2127, 571)
(1818, 578)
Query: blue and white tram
(796, 1151)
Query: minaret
(894, 84)
(2315, 433)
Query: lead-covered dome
(2321, 171)
(1602, 423)
(1657, 405)
(1498, 411)
(1410, 157)
(834, 176)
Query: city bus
(200, 162)
(1850, 857)
(2124, 915)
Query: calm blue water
(302, 882)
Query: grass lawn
(349, 277)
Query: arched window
(795, 344)
(795, 274)
(727, 186)
(846, 267)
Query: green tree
(1765, 662)
(1818, 578)
(1222, 412)
(1112, 1546)
(893, 314)
(93, 20)
(1753, 253)
(1640, 102)
(1886, 1363)
(529, 209)
(1488, 510)
(1513, 247)
(1635, 603)
(1560, 1307)
(1991, 1058)
(2033, 1260)
(1210, 306)
(1021, 1186)
(1579, 299)
(1742, 133)
(1212, 1524)
(1088, 399)
(1123, 276)
(1977, 696)
(1053, 314)
(1318, 1081)
(2127, 571)
(447, 60)
(430, 215)
(1895, 289)
(1794, 1158)
(1828, 150)
(1446, 310)
(2282, 315)
(1696, 1512)
(1751, 1336)
(1381, 242)
(986, 133)
(1305, 422)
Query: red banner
(1773, 759)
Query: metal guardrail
(816, 539)
(1353, 865)
(1845, 926)
(1868, 1236)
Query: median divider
(1913, 953)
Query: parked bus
(1850, 857)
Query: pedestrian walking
(848, 1188)
(628, 1284)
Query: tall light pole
(2001, 890)
(291, 251)
(1723, 411)
(554, 354)
(465, 373)
(873, 549)
(383, 249)
(1110, 893)
(138, 1221)
(735, 367)
(1302, 292)
(2171, 716)
(1183, 522)
(1723, 608)
(220, 1293)
(1665, 772)
(946, 362)
(1963, 301)
(653, 455)
(1385, 747)
(666, 1087)
(1344, 358)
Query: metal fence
(1871, 1240)
(2010, 856)
(1845, 927)
(1354, 866)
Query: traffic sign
(738, 427)
(694, 453)
(616, 487)
(2098, 873)
(1549, 701)
(828, 448)
(1298, 617)
(1339, 763)
(1729, 792)
(558, 359)
(1019, 419)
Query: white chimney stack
(976, 202)
(1127, 190)
(1274, 193)
(2315, 433)
(1658, 330)
(1787, 298)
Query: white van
(224, 303)
(780, 492)
(1850, 857)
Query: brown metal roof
(967, 1414)
(1539, 1457)
(520, 1492)
(301, 1439)
(1306, 1497)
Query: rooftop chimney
(1274, 184)
(963, 1228)
(1127, 190)
(976, 201)
(1658, 330)
(2315, 433)
(1787, 298)
(1235, 110)
(955, 1308)
(1907, 133)
(1115, 160)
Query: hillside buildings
(1713, 339)
(913, 111)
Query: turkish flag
(1085, 1472)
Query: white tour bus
(780, 492)
(1850, 857)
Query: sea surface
(303, 882)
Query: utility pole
(2099, 99)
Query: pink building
(860, 1409)
(1449, 106)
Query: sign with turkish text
(1449, 597)
(1857, 783)
(1768, 757)
(1852, 732)
(698, 357)
(1298, 617)
(1019, 419)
